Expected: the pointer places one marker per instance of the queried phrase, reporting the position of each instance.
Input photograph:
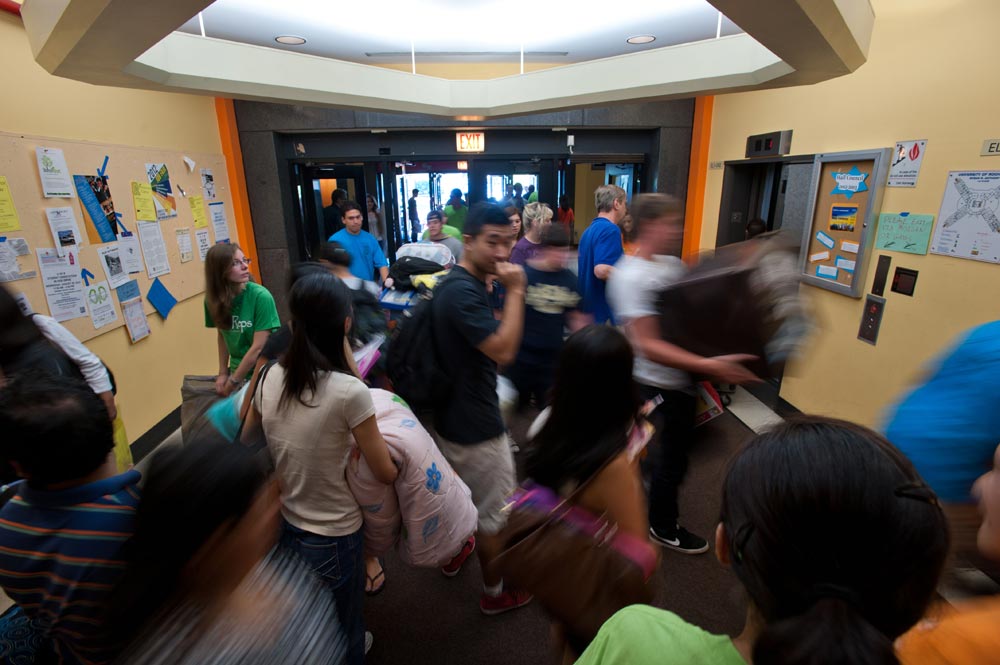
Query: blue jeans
(340, 563)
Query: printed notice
(135, 319)
(850, 247)
(56, 180)
(845, 264)
(10, 268)
(142, 201)
(184, 244)
(111, 261)
(825, 240)
(905, 167)
(904, 232)
(63, 289)
(128, 251)
(95, 197)
(154, 249)
(163, 193)
(102, 307)
(843, 217)
(198, 212)
(826, 272)
(203, 242)
(65, 231)
(819, 256)
(208, 184)
(8, 213)
(969, 220)
(219, 225)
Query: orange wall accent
(230, 138)
(701, 136)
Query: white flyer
(65, 231)
(217, 211)
(56, 179)
(968, 224)
(208, 184)
(102, 306)
(10, 269)
(184, 244)
(129, 253)
(154, 249)
(63, 288)
(201, 235)
(904, 169)
(111, 261)
(135, 319)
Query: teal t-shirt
(253, 311)
(456, 216)
(644, 635)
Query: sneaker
(681, 540)
(510, 599)
(369, 640)
(451, 568)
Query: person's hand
(221, 382)
(109, 402)
(511, 276)
(729, 368)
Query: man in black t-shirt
(470, 343)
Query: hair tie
(918, 491)
(835, 591)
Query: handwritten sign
(903, 232)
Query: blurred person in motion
(333, 215)
(203, 583)
(628, 236)
(411, 212)
(366, 253)
(456, 210)
(376, 220)
(600, 249)
(566, 216)
(839, 554)
(436, 233)
(662, 369)
(536, 217)
(310, 405)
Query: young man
(600, 249)
(456, 210)
(62, 533)
(411, 211)
(470, 343)
(518, 200)
(661, 368)
(532, 195)
(366, 253)
(435, 233)
(550, 306)
(333, 215)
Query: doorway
(318, 185)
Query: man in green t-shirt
(253, 311)
(456, 209)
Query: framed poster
(846, 196)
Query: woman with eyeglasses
(241, 311)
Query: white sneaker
(369, 640)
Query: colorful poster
(163, 193)
(849, 182)
(8, 213)
(102, 307)
(184, 244)
(142, 201)
(135, 319)
(95, 197)
(65, 232)
(968, 225)
(207, 184)
(843, 217)
(217, 211)
(201, 235)
(198, 212)
(63, 288)
(903, 232)
(154, 249)
(129, 252)
(56, 181)
(905, 166)
(10, 268)
(111, 261)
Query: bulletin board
(847, 190)
(122, 165)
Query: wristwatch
(234, 381)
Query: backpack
(412, 362)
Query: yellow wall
(149, 374)
(930, 75)
(584, 210)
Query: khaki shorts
(488, 469)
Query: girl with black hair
(313, 409)
(835, 537)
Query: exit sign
(470, 141)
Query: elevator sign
(470, 141)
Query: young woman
(536, 216)
(595, 406)
(837, 541)
(376, 223)
(243, 313)
(200, 586)
(310, 406)
(514, 215)
(629, 245)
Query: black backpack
(412, 362)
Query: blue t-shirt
(950, 426)
(547, 299)
(366, 254)
(600, 244)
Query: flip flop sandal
(374, 591)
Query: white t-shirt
(310, 446)
(633, 290)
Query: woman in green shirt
(837, 540)
(243, 313)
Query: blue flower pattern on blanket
(430, 526)
(433, 478)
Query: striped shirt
(60, 556)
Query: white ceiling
(382, 31)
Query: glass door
(622, 175)
(325, 189)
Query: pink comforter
(428, 512)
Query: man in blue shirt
(600, 249)
(366, 253)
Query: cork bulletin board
(846, 195)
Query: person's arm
(246, 365)
(607, 251)
(645, 334)
(93, 370)
(383, 273)
(223, 376)
(503, 344)
(375, 450)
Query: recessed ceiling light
(641, 39)
(291, 40)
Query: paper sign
(160, 298)
(95, 197)
(905, 167)
(154, 249)
(825, 240)
(19, 245)
(129, 252)
(218, 213)
(198, 212)
(844, 264)
(8, 213)
(843, 217)
(56, 182)
(65, 232)
(142, 201)
(61, 279)
(135, 319)
(968, 225)
(827, 272)
(10, 268)
(163, 193)
(820, 256)
(112, 264)
(203, 242)
(102, 307)
(207, 184)
(850, 182)
(851, 247)
(904, 233)
(184, 244)
(128, 291)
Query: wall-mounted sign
(463, 166)
(905, 167)
(990, 147)
(470, 141)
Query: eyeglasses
(241, 262)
